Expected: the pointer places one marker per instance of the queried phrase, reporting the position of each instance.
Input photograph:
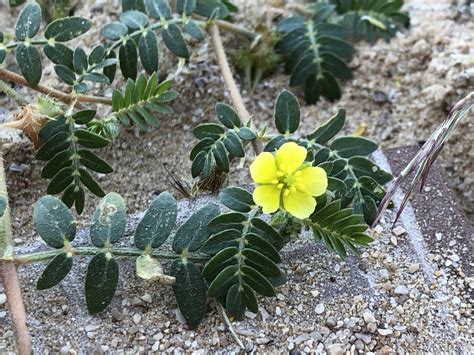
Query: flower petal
(289, 157)
(299, 204)
(268, 197)
(263, 169)
(314, 181)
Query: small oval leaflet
(287, 112)
(194, 232)
(28, 22)
(29, 61)
(67, 28)
(190, 292)
(114, 30)
(101, 282)
(174, 40)
(109, 220)
(237, 199)
(55, 272)
(53, 221)
(157, 223)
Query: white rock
(137, 318)
(401, 290)
(438, 236)
(369, 317)
(385, 332)
(413, 268)
(398, 231)
(335, 349)
(319, 308)
(3, 298)
(455, 257)
(456, 300)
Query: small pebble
(413, 268)
(398, 231)
(3, 298)
(319, 308)
(401, 290)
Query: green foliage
(28, 56)
(371, 20)
(135, 34)
(245, 254)
(142, 100)
(339, 228)
(315, 52)
(67, 151)
(315, 47)
(219, 143)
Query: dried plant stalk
(425, 157)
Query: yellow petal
(289, 157)
(263, 169)
(268, 197)
(299, 204)
(312, 181)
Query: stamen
(292, 188)
(286, 192)
(280, 173)
(274, 182)
(280, 186)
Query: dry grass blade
(425, 157)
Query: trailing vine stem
(229, 81)
(9, 274)
(7, 90)
(90, 251)
(61, 96)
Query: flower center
(288, 182)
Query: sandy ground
(401, 91)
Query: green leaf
(327, 131)
(29, 21)
(59, 54)
(347, 147)
(287, 112)
(148, 49)
(234, 144)
(56, 164)
(193, 29)
(227, 115)
(158, 9)
(114, 31)
(29, 61)
(97, 78)
(194, 232)
(110, 70)
(89, 139)
(247, 134)
(101, 282)
(53, 221)
(109, 220)
(55, 272)
(128, 59)
(208, 130)
(61, 180)
(93, 162)
(221, 157)
(185, 6)
(364, 167)
(83, 116)
(67, 28)
(134, 19)
(237, 199)
(90, 183)
(157, 223)
(190, 291)
(96, 55)
(54, 145)
(65, 74)
(80, 61)
(174, 40)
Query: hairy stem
(89, 251)
(229, 81)
(9, 275)
(61, 96)
(7, 90)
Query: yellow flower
(285, 180)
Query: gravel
(401, 91)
